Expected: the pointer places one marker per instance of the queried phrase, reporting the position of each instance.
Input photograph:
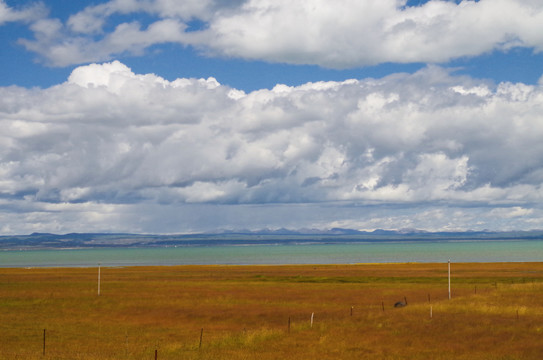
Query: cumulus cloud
(108, 137)
(342, 34)
(353, 33)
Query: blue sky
(160, 116)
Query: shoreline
(281, 266)
(90, 266)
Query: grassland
(243, 312)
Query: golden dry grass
(496, 312)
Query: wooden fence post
(449, 267)
(289, 324)
(126, 344)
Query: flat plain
(274, 312)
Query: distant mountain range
(247, 237)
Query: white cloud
(91, 20)
(62, 48)
(342, 34)
(110, 137)
(25, 14)
(513, 212)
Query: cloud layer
(342, 34)
(110, 147)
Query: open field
(496, 312)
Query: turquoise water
(382, 252)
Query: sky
(163, 116)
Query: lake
(351, 253)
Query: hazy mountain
(246, 237)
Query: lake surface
(381, 252)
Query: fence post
(449, 279)
(289, 324)
(43, 342)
